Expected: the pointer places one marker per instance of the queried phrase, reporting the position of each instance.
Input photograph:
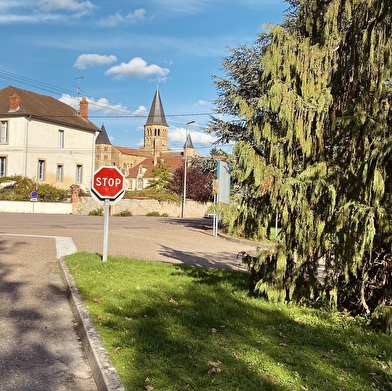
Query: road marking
(64, 244)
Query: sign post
(108, 187)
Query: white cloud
(201, 103)
(117, 18)
(90, 60)
(102, 105)
(41, 11)
(66, 5)
(140, 112)
(199, 139)
(137, 67)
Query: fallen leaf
(148, 388)
(214, 371)
(117, 349)
(128, 319)
(212, 330)
(281, 335)
(214, 363)
(100, 317)
(282, 344)
(384, 367)
(96, 301)
(173, 302)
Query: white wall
(35, 207)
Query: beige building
(137, 164)
(45, 139)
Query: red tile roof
(42, 107)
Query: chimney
(14, 102)
(83, 108)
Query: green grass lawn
(175, 327)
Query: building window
(4, 132)
(140, 184)
(41, 170)
(79, 173)
(3, 166)
(61, 138)
(60, 172)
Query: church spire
(156, 115)
(156, 129)
(188, 142)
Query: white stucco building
(45, 139)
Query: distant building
(137, 164)
(46, 140)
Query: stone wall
(142, 206)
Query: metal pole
(105, 231)
(214, 232)
(184, 195)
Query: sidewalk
(40, 349)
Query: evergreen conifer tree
(313, 144)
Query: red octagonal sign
(108, 184)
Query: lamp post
(185, 167)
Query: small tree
(198, 184)
(161, 175)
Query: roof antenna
(78, 89)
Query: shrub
(96, 212)
(18, 188)
(124, 213)
(153, 214)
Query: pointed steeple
(156, 115)
(188, 142)
(103, 137)
(156, 129)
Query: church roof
(156, 115)
(188, 142)
(103, 137)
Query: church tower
(156, 128)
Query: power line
(6, 75)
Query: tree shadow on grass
(205, 337)
(222, 260)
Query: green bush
(160, 195)
(18, 188)
(96, 212)
(157, 214)
(153, 214)
(124, 213)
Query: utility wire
(6, 75)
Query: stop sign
(108, 183)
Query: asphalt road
(153, 238)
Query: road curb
(105, 375)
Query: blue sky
(116, 53)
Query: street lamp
(185, 167)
